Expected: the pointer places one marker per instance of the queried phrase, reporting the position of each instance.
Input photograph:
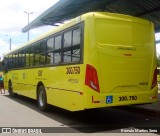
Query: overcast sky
(13, 19)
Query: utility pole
(28, 13)
(10, 42)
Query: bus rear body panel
(126, 62)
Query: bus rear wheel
(42, 98)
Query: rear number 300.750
(127, 98)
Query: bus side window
(42, 53)
(50, 47)
(76, 45)
(71, 46)
(16, 59)
(29, 56)
(10, 61)
(13, 61)
(39, 54)
(21, 59)
(57, 50)
(67, 47)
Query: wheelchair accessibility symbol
(109, 99)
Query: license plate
(127, 98)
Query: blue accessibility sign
(109, 99)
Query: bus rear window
(119, 32)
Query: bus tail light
(91, 79)
(154, 81)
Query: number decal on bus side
(73, 70)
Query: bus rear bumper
(97, 100)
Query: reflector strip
(93, 101)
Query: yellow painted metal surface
(121, 49)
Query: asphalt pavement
(149, 109)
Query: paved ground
(153, 108)
(150, 109)
(18, 115)
(29, 114)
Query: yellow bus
(95, 60)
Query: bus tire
(10, 89)
(42, 98)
